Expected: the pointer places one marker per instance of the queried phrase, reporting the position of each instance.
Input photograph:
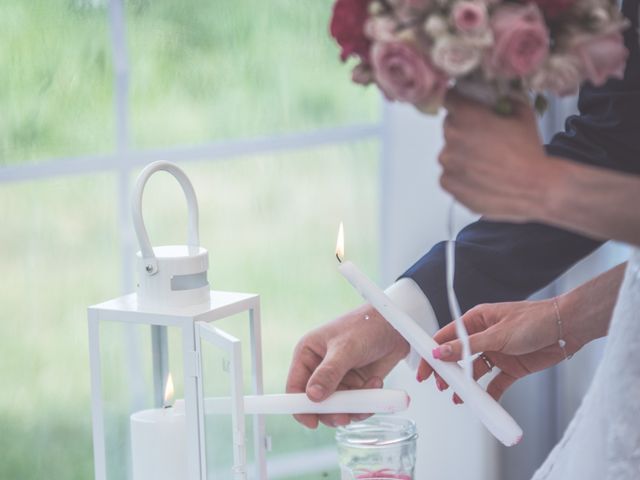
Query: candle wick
(338, 257)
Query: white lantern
(142, 434)
(157, 438)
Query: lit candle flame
(168, 392)
(340, 244)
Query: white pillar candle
(158, 441)
(348, 401)
(491, 414)
(158, 444)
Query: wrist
(578, 332)
(399, 345)
(556, 182)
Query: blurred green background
(200, 71)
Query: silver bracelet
(561, 341)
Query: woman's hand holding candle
(521, 338)
(354, 351)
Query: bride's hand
(519, 338)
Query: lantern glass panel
(239, 327)
(221, 369)
(128, 386)
(218, 427)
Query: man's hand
(495, 165)
(354, 351)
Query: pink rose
(469, 17)
(407, 75)
(347, 27)
(602, 56)
(521, 41)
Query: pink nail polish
(439, 384)
(436, 353)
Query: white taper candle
(489, 412)
(375, 400)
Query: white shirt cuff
(411, 299)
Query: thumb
(325, 379)
(480, 342)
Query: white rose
(456, 56)
(382, 29)
(560, 74)
(436, 26)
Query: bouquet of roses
(493, 51)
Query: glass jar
(381, 447)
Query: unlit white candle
(349, 401)
(489, 412)
(158, 444)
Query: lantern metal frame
(196, 325)
(192, 307)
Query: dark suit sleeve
(498, 262)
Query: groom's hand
(354, 351)
(495, 164)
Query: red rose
(347, 27)
(554, 8)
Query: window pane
(56, 82)
(204, 70)
(270, 224)
(59, 254)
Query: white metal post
(237, 412)
(160, 362)
(233, 347)
(259, 435)
(99, 448)
(194, 409)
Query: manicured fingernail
(419, 377)
(457, 400)
(439, 384)
(315, 392)
(443, 351)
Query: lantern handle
(193, 239)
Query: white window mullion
(220, 150)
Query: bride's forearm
(586, 310)
(595, 202)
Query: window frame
(125, 159)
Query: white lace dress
(603, 440)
